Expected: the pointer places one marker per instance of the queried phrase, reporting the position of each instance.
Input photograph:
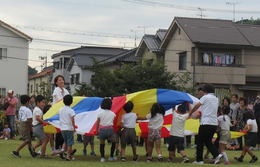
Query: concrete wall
(220, 75)
(179, 43)
(252, 62)
(14, 72)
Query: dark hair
(225, 110)
(208, 88)
(39, 98)
(67, 100)
(248, 115)
(128, 107)
(243, 99)
(183, 108)
(200, 89)
(225, 98)
(32, 96)
(236, 96)
(106, 104)
(157, 108)
(46, 108)
(56, 79)
(24, 99)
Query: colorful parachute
(87, 109)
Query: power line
(76, 32)
(189, 8)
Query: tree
(31, 71)
(132, 78)
(249, 21)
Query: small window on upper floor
(3, 53)
(3, 92)
(77, 78)
(179, 31)
(183, 61)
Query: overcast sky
(106, 22)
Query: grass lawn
(7, 160)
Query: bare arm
(73, 122)
(39, 119)
(195, 108)
(98, 122)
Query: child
(250, 137)
(224, 123)
(67, 125)
(154, 133)
(128, 133)
(177, 132)
(105, 128)
(25, 126)
(88, 140)
(38, 124)
(6, 133)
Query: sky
(115, 23)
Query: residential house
(76, 64)
(215, 51)
(149, 47)
(14, 54)
(40, 83)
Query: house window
(179, 31)
(3, 91)
(56, 65)
(66, 62)
(3, 53)
(77, 78)
(31, 88)
(37, 86)
(183, 61)
(72, 81)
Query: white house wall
(14, 72)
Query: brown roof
(214, 31)
(41, 74)
(16, 31)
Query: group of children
(105, 120)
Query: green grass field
(7, 160)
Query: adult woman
(59, 92)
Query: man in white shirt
(208, 125)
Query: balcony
(235, 74)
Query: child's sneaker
(227, 163)
(135, 158)
(73, 151)
(111, 158)
(102, 159)
(16, 154)
(185, 160)
(240, 159)
(149, 159)
(123, 159)
(160, 158)
(169, 160)
(218, 158)
(84, 152)
(198, 162)
(253, 160)
(93, 154)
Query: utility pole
(201, 12)
(234, 9)
(134, 31)
(44, 65)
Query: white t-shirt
(156, 122)
(66, 114)
(24, 113)
(178, 123)
(36, 112)
(58, 94)
(209, 110)
(254, 125)
(106, 117)
(129, 120)
(224, 122)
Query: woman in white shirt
(59, 92)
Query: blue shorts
(68, 137)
